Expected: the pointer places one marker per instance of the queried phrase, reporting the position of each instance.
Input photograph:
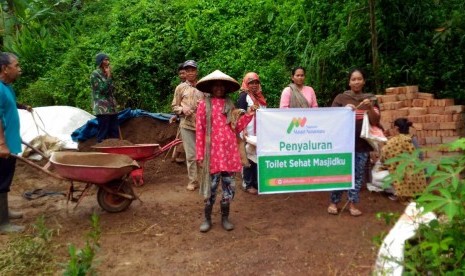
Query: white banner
(305, 149)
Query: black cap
(100, 58)
(189, 63)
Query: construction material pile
(435, 121)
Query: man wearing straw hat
(184, 104)
(10, 140)
(216, 144)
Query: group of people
(210, 134)
(208, 129)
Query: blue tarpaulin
(90, 129)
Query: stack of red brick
(435, 121)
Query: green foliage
(412, 52)
(419, 43)
(34, 254)
(29, 254)
(438, 247)
(82, 260)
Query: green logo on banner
(296, 122)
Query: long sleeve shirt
(103, 99)
(224, 153)
(186, 96)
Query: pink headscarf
(257, 97)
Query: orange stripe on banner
(310, 180)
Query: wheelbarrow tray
(96, 168)
(136, 152)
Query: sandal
(191, 187)
(35, 194)
(332, 210)
(252, 191)
(355, 212)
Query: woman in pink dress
(216, 147)
(297, 94)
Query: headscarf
(297, 98)
(256, 97)
(360, 96)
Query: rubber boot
(15, 214)
(207, 224)
(228, 226)
(5, 225)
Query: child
(216, 146)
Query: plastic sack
(377, 177)
(372, 134)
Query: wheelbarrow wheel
(111, 202)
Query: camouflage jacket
(103, 100)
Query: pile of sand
(140, 130)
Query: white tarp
(56, 121)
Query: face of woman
(218, 90)
(253, 86)
(356, 82)
(299, 77)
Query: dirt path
(275, 234)
(286, 234)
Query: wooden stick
(119, 132)
(173, 156)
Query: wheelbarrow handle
(35, 150)
(44, 169)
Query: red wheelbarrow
(108, 171)
(141, 153)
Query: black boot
(224, 216)
(5, 225)
(207, 224)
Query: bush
(438, 247)
(146, 40)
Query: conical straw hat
(205, 84)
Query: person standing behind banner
(103, 99)
(298, 95)
(184, 104)
(360, 102)
(217, 151)
(251, 96)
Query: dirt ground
(286, 234)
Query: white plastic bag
(378, 175)
(372, 134)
